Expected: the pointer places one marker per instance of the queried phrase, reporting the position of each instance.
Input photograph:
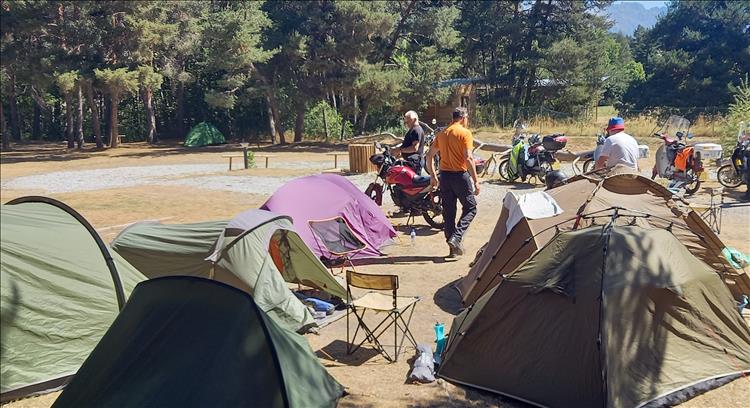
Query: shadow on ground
(419, 230)
(31, 151)
(513, 185)
(403, 259)
(336, 352)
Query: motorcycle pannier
(554, 142)
(682, 160)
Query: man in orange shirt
(457, 176)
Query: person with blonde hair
(412, 148)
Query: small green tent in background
(204, 134)
(183, 341)
(61, 289)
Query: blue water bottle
(439, 341)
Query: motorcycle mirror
(690, 136)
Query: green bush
(739, 111)
(314, 128)
(250, 159)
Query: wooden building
(463, 93)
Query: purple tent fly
(325, 197)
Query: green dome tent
(204, 134)
(599, 317)
(61, 289)
(257, 252)
(183, 341)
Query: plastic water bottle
(413, 236)
(439, 341)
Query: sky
(646, 3)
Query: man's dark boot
(456, 246)
(451, 253)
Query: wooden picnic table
(336, 158)
(242, 156)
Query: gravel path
(100, 179)
(203, 176)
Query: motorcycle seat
(420, 181)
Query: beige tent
(586, 201)
(600, 317)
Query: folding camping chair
(338, 239)
(396, 307)
(712, 212)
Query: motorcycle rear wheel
(692, 187)
(728, 177)
(434, 216)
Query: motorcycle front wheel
(728, 177)
(434, 216)
(502, 171)
(588, 165)
(375, 192)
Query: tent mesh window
(335, 235)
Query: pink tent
(326, 196)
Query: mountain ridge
(627, 16)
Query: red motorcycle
(411, 192)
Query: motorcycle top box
(554, 142)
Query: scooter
(676, 160)
(408, 190)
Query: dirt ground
(369, 379)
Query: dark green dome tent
(61, 289)
(183, 341)
(204, 134)
(626, 317)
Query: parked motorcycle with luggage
(675, 159)
(735, 173)
(408, 190)
(533, 160)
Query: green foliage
(148, 78)
(117, 82)
(739, 113)
(314, 127)
(237, 63)
(232, 43)
(250, 159)
(691, 54)
(67, 82)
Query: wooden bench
(336, 158)
(242, 156)
(265, 156)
